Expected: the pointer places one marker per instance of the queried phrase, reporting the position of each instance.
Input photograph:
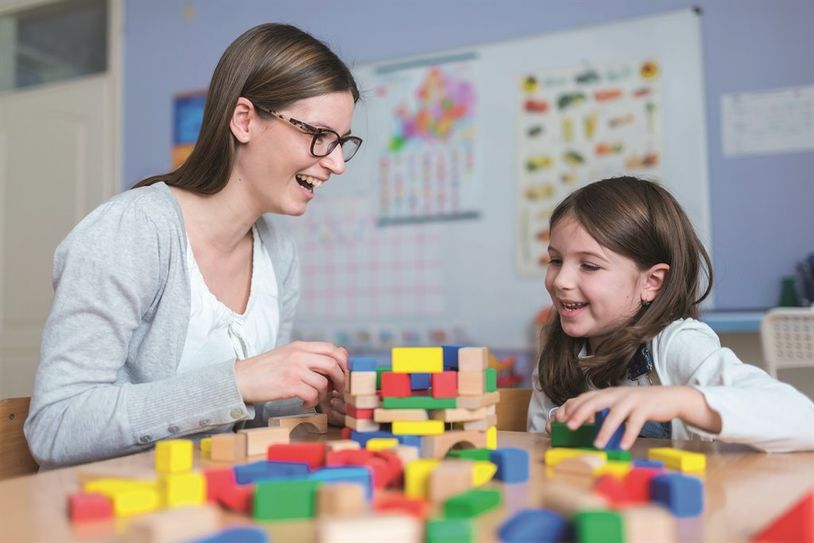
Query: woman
(174, 301)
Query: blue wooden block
(614, 443)
(512, 464)
(362, 364)
(239, 534)
(347, 474)
(363, 437)
(538, 525)
(682, 494)
(642, 463)
(451, 357)
(265, 470)
(419, 381)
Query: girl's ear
(653, 282)
(241, 120)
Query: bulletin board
(436, 232)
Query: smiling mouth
(309, 183)
(572, 306)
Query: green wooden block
(561, 436)
(470, 454)
(283, 500)
(490, 379)
(599, 527)
(618, 456)
(449, 530)
(379, 372)
(418, 402)
(472, 503)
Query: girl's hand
(301, 369)
(635, 406)
(333, 405)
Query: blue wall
(762, 208)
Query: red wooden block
(395, 468)
(795, 525)
(346, 432)
(312, 454)
(400, 503)
(613, 490)
(83, 506)
(218, 480)
(637, 483)
(358, 413)
(238, 498)
(444, 384)
(395, 385)
(348, 457)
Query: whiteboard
(369, 283)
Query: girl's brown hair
(642, 221)
(272, 65)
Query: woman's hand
(333, 405)
(635, 406)
(302, 369)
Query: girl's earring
(646, 303)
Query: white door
(57, 162)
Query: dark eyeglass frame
(316, 133)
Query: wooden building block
(473, 359)
(406, 453)
(341, 500)
(395, 385)
(381, 443)
(179, 489)
(84, 506)
(341, 445)
(450, 530)
(450, 477)
(472, 503)
(206, 447)
(451, 357)
(356, 363)
(646, 523)
(359, 475)
(173, 455)
(438, 446)
(362, 383)
(676, 459)
(384, 528)
(637, 482)
(357, 412)
(417, 476)
(794, 525)
(512, 464)
(418, 402)
(480, 425)
(315, 422)
(535, 525)
(474, 402)
(444, 384)
(363, 402)
(131, 500)
(554, 456)
(285, 500)
(470, 383)
(615, 441)
(491, 438)
(481, 454)
(418, 427)
(396, 502)
(361, 425)
(218, 481)
(179, 524)
(312, 454)
(613, 490)
(599, 527)
(418, 359)
(228, 447)
(259, 439)
(562, 436)
(482, 472)
(584, 465)
(391, 415)
(238, 498)
(490, 380)
(264, 470)
(567, 499)
(459, 415)
(617, 469)
(681, 494)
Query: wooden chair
(512, 410)
(15, 458)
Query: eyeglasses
(324, 140)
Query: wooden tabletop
(744, 490)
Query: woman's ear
(240, 123)
(654, 281)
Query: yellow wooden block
(679, 460)
(129, 497)
(381, 443)
(183, 489)
(417, 476)
(111, 485)
(418, 427)
(418, 360)
(615, 468)
(173, 455)
(206, 447)
(482, 472)
(553, 456)
(491, 438)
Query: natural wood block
(384, 528)
(315, 422)
(341, 445)
(438, 446)
(259, 439)
(406, 453)
(554, 456)
(459, 415)
(470, 383)
(361, 425)
(449, 478)
(567, 499)
(179, 524)
(362, 383)
(473, 359)
(341, 500)
(228, 448)
(481, 425)
(585, 465)
(647, 523)
(474, 402)
(390, 415)
(363, 402)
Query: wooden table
(743, 491)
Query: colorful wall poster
(427, 167)
(577, 125)
(187, 114)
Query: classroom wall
(761, 207)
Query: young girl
(625, 281)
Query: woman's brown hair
(640, 220)
(273, 66)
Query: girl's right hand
(302, 369)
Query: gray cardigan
(107, 384)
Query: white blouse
(215, 332)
